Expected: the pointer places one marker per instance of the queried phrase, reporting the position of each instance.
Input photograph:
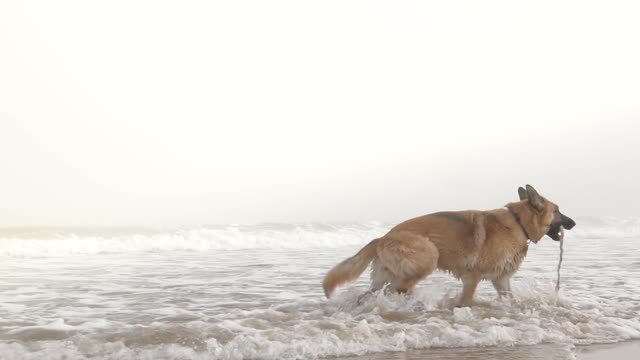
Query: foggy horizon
(148, 114)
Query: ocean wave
(64, 242)
(199, 294)
(342, 327)
(281, 236)
(400, 323)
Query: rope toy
(561, 235)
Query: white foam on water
(53, 242)
(340, 327)
(254, 293)
(399, 323)
(283, 236)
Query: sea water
(254, 292)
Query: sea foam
(254, 292)
(281, 236)
(61, 242)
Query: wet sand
(254, 292)
(618, 351)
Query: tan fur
(349, 269)
(472, 245)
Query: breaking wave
(55, 242)
(60, 242)
(253, 292)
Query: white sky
(170, 113)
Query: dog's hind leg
(380, 276)
(415, 272)
(411, 258)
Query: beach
(253, 292)
(618, 351)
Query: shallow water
(241, 292)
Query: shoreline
(626, 350)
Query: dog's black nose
(568, 222)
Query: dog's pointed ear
(534, 198)
(522, 193)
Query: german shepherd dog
(472, 245)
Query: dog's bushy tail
(349, 269)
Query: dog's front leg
(470, 282)
(502, 285)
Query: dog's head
(547, 217)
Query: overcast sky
(163, 113)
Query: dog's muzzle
(565, 222)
